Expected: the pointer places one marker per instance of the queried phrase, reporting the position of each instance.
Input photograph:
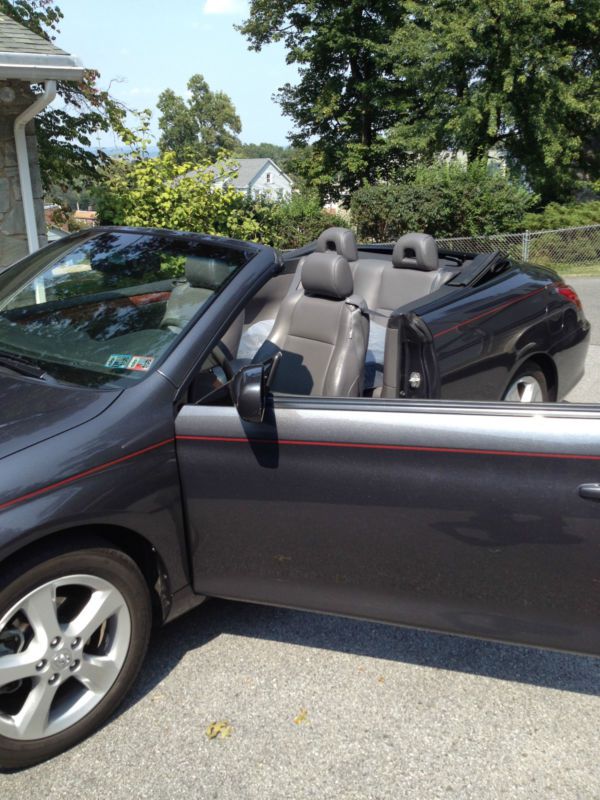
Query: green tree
(347, 97)
(65, 134)
(520, 76)
(201, 127)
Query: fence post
(526, 238)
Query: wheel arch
(133, 544)
(548, 367)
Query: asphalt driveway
(322, 707)
(588, 390)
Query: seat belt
(357, 302)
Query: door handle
(590, 491)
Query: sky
(141, 48)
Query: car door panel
(465, 522)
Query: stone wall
(15, 97)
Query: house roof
(249, 169)
(26, 56)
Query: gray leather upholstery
(416, 251)
(184, 302)
(327, 275)
(207, 273)
(340, 240)
(320, 332)
(413, 273)
(230, 341)
(203, 276)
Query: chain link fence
(560, 248)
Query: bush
(572, 215)
(300, 220)
(160, 193)
(443, 199)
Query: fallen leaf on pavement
(220, 729)
(302, 717)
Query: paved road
(588, 390)
(380, 713)
(389, 714)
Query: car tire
(74, 630)
(529, 385)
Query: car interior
(324, 315)
(327, 313)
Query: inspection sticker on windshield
(118, 361)
(140, 362)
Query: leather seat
(321, 332)
(414, 272)
(417, 271)
(203, 276)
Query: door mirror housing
(249, 388)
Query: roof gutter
(21, 121)
(39, 67)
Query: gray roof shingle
(249, 168)
(15, 38)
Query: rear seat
(413, 272)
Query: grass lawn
(591, 270)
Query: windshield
(104, 310)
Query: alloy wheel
(62, 647)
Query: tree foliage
(382, 80)
(164, 193)
(65, 135)
(347, 97)
(519, 76)
(444, 200)
(200, 127)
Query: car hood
(31, 410)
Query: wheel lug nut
(76, 642)
(55, 642)
(74, 666)
(40, 665)
(53, 679)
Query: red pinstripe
(401, 447)
(492, 311)
(80, 475)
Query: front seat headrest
(327, 275)
(339, 240)
(206, 273)
(416, 251)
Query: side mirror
(249, 388)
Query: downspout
(21, 121)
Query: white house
(259, 176)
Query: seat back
(203, 276)
(321, 332)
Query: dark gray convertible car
(369, 431)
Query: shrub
(443, 199)
(571, 215)
(300, 220)
(160, 193)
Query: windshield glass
(103, 311)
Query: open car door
(471, 518)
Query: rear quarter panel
(483, 334)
